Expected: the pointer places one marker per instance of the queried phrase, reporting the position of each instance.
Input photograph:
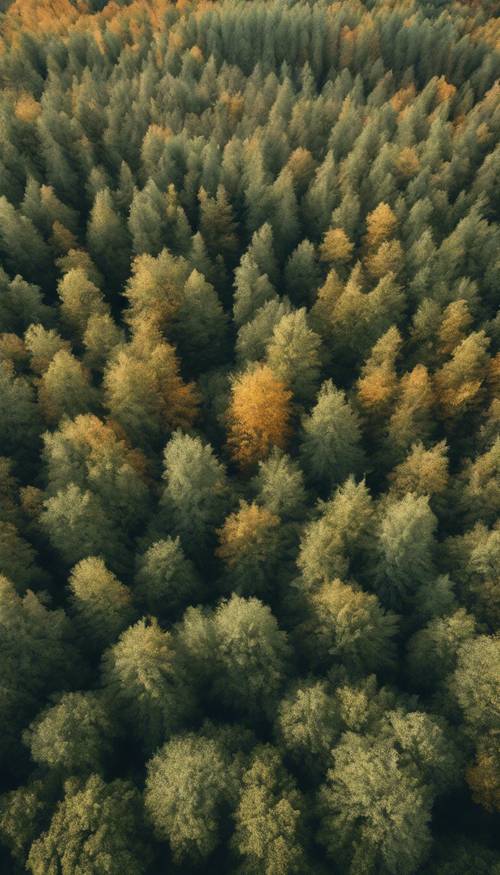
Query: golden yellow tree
(336, 246)
(258, 416)
(380, 226)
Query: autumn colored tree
(259, 415)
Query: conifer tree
(80, 300)
(258, 415)
(108, 240)
(364, 776)
(65, 388)
(101, 604)
(269, 818)
(189, 789)
(197, 493)
(293, 354)
(97, 825)
(252, 290)
(143, 682)
(165, 581)
(200, 328)
(74, 735)
(331, 438)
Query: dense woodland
(249, 473)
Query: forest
(249, 437)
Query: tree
(42, 344)
(19, 415)
(24, 814)
(432, 651)
(93, 455)
(101, 604)
(340, 541)
(36, 657)
(200, 329)
(144, 683)
(96, 827)
(21, 304)
(336, 246)
(254, 336)
(77, 526)
(459, 383)
(165, 581)
(155, 289)
(344, 623)
(412, 418)
(17, 559)
(144, 391)
(269, 818)
(484, 776)
(308, 725)
(302, 274)
(251, 657)
(80, 299)
(217, 224)
(378, 383)
(101, 338)
(258, 416)
(380, 226)
(261, 251)
(190, 789)
(331, 438)
(108, 240)
(251, 547)
(196, 494)
(406, 550)
(65, 388)
(279, 486)
(22, 246)
(293, 354)
(367, 779)
(252, 290)
(423, 472)
(475, 682)
(74, 735)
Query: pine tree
(80, 300)
(269, 831)
(250, 547)
(255, 335)
(74, 735)
(331, 438)
(65, 388)
(365, 775)
(252, 290)
(197, 494)
(155, 289)
(279, 486)
(142, 679)
(190, 821)
(95, 825)
(302, 274)
(108, 240)
(406, 549)
(144, 391)
(101, 604)
(22, 246)
(258, 415)
(165, 581)
(344, 623)
(200, 329)
(293, 354)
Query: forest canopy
(249, 437)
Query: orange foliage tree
(258, 416)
